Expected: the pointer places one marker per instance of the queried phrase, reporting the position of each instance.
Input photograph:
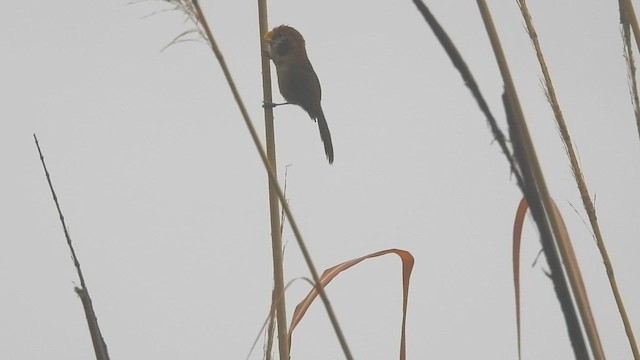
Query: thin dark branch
(99, 346)
(470, 82)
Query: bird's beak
(268, 37)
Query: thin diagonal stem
(99, 345)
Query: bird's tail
(325, 135)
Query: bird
(297, 81)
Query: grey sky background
(166, 198)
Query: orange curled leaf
(517, 240)
(329, 274)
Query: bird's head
(286, 44)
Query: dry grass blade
(539, 199)
(470, 82)
(556, 273)
(575, 165)
(271, 328)
(331, 273)
(518, 223)
(579, 290)
(527, 169)
(182, 37)
(268, 322)
(187, 8)
(517, 234)
(631, 72)
(628, 20)
(282, 217)
(99, 346)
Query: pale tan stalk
(628, 19)
(630, 16)
(577, 174)
(274, 207)
(522, 132)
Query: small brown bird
(298, 83)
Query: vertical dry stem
(524, 137)
(274, 206)
(577, 174)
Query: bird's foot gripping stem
(271, 105)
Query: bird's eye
(283, 45)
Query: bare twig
(99, 346)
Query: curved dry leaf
(517, 241)
(571, 261)
(329, 274)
